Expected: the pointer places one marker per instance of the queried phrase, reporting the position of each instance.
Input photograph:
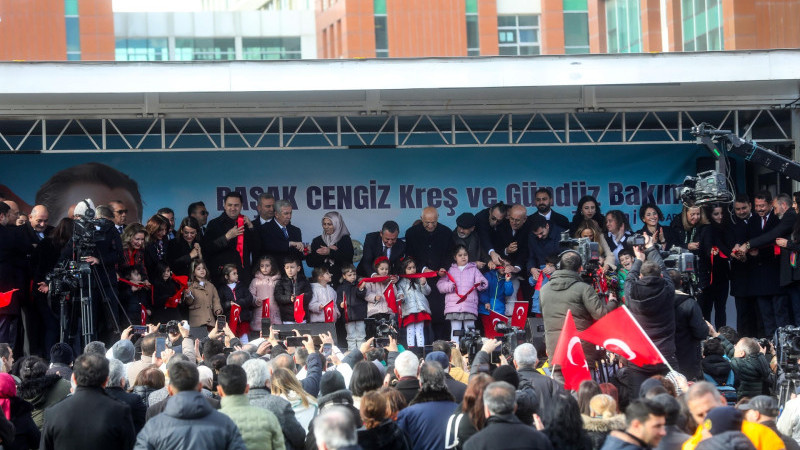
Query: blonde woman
(590, 229)
(286, 385)
(604, 419)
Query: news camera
(469, 342)
(706, 188)
(511, 338)
(684, 262)
(787, 352)
(381, 329)
(586, 248)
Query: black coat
(285, 289)
(333, 261)
(509, 433)
(690, 331)
(178, 257)
(717, 367)
(408, 388)
(162, 291)
(506, 236)
(721, 237)
(555, 218)
(753, 375)
(138, 409)
(765, 269)
(489, 237)
(218, 250)
(356, 304)
(154, 253)
(275, 243)
(432, 250)
(13, 262)
(88, 419)
(26, 434)
(241, 295)
(373, 247)
(386, 436)
(740, 270)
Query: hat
(123, 350)
(380, 366)
(331, 381)
(508, 374)
(61, 353)
(764, 404)
(722, 419)
(439, 357)
(466, 220)
(83, 206)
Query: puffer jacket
(322, 296)
(260, 428)
(203, 303)
(373, 290)
(567, 291)
(263, 287)
(285, 289)
(752, 375)
(188, 421)
(652, 302)
(386, 436)
(717, 367)
(498, 288)
(414, 296)
(356, 308)
(144, 393)
(598, 427)
(464, 281)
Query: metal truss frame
(162, 133)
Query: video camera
(66, 277)
(469, 342)
(706, 188)
(787, 348)
(511, 337)
(588, 249)
(382, 329)
(680, 259)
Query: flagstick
(648, 338)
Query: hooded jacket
(598, 427)
(42, 393)
(717, 367)
(189, 422)
(386, 436)
(690, 331)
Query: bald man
(34, 324)
(430, 244)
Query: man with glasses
(120, 214)
(200, 213)
(486, 225)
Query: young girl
(133, 295)
(323, 294)
(164, 288)
(263, 287)
(355, 311)
(235, 292)
(414, 306)
(202, 299)
(461, 296)
(377, 307)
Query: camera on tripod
(469, 342)
(66, 277)
(787, 347)
(511, 338)
(586, 248)
(381, 329)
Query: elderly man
(335, 429)
(258, 373)
(37, 315)
(486, 225)
(425, 421)
(525, 361)
(383, 243)
(222, 238)
(465, 235)
(279, 237)
(764, 409)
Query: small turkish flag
(299, 309)
(233, 321)
(330, 313)
(620, 333)
(144, 314)
(391, 298)
(520, 314)
(5, 297)
(182, 281)
(265, 308)
(490, 321)
(569, 355)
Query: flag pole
(648, 337)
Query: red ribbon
(721, 255)
(142, 286)
(384, 278)
(131, 254)
(344, 301)
(461, 298)
(240, 239)
(183, 283)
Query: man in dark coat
(544, 207)
(455, 387)
(747, 322)
(89, 418)
(383, 243)
(645, 420)
(525, 360)
(280, 238)
(221, 241)
(503, 429)
(465, 235)
(430, 244)
(406, 366)
(12, 262)
(188, 421)
(36, 313)
(425, 419)
(116, 389)
(487, 223)
(690, 331)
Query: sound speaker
(534, 327)
(309, 328)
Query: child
(544, 275)
(414, 306)
(202, 299)
(132, 297)
(164, 288)
(626, 259)
(499, 287)
(263, 287)
(377, 308)
(461, 298)
(292, 284)
(355, 311)
(235, 292)
(323, 294)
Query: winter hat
(331, 381)
(764, 404)
(439, 357)
(722, 419)
(508, 374)
(61, 353)
(123, 350)
(466, 220)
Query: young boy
(291, 285)
(626, 258)
(351, 299)
(549, 268)
(500, 287)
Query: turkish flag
(520, 314)
(391, 298)
(489, 323)
(265, 308)
(233, 320)
(144, 314)
(299, 310)
(569, 355)
(183, 283)
(618, 332)
(330, 312)
(5, 297)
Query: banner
(367, 186)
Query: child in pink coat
(461, 296)
(262, 288)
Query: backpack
(726, 389)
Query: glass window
(73, 34)
(151, 49)
(472, 32)
(576, 5)
(380, 7)
(576, 30)
(623, 26)
(70, 7)
(204, 49)
(472, 6)
(702, 25)
(271, 48)
(381, 37)
(518, 35)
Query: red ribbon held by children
(461, 298)
(183, 283)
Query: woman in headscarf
(18, 412)
(333, 248)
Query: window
(473, 39)
(576, 26)
(518, 35)
(204, 49)
(623, 26)
(73, 30)
(702, 25)
(381, 31)
(271, 48)
(151, 49)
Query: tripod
(74, 277)
(786, 388)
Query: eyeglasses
(203, 213)
(121, 211)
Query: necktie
(285, 232)
(120, 228)
(763, 222)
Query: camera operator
(650, 295)
(565, 291)
(690, 330)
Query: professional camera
(707, 187)
(636, 239)
(381, 329)
(787, 352)
(680, 259)
(469, 342)
(66, 277)
(588, 249)
(511, 337)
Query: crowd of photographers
(431, 381)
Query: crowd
(218, 376)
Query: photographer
(650, 295)
(690, 330)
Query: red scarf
(240, 239)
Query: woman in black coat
(651, 217)
(333, 249)
(716, 242)
(588, 208)
(688, 229)
(155, 247)
(185, 248)
(18, 411)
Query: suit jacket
(88, 419)
(488, 235)
(138, 409)
(275, 243)
(13, 265)
(765, 269)
(506, 236)
(432, 250)
(373, 247)
(218, 250)
(740, 270)
(555, 218)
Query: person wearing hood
(650, 296)
(379, 431)
(40, 389)
(18, 412)
(188, 421)
(604, 418)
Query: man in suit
(747, 321)
(265, 208)
(486, 224)
(13, 247)
(279, 237)
(200, 213)
(32, 312)
(89, 418)
(513, 236)
(544, 207)
(383, 243)
(120, 214)
(221, 238)
(768, 225)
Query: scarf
(339, 229)
(8, 390)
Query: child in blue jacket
(500, 286)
